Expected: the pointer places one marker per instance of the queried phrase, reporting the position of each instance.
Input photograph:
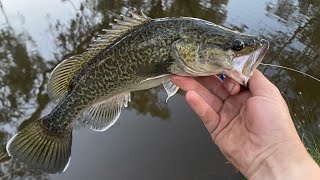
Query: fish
(137, 53)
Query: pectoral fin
(170, 88)
(164, 79)
(104, 114)
(151, 82)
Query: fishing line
(278, 66)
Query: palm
(248, 131)
(245, 125)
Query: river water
(152, 139)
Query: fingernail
(229, 87)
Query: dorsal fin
(62, 75)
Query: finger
(231, 108)
(231, 86)
(215, 85)
(190, 84)
(208, 116)
(259, 85)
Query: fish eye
(238, 45)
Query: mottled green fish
(137, 53)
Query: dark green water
(152, 139)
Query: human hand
(253, 128)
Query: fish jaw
(244, 66)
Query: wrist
(287, 161)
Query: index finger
(190, 84)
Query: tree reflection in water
(22, 77)
(297, 48)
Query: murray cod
(137, 53)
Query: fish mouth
(244, 66)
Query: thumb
(259, 85)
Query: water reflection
(21, 90)
(292, 26)
(297, 47)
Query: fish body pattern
(137, 53)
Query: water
(152, 139)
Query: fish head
(225, 51)
(247, 52)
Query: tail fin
(41, 149)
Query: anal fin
(104, 114)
